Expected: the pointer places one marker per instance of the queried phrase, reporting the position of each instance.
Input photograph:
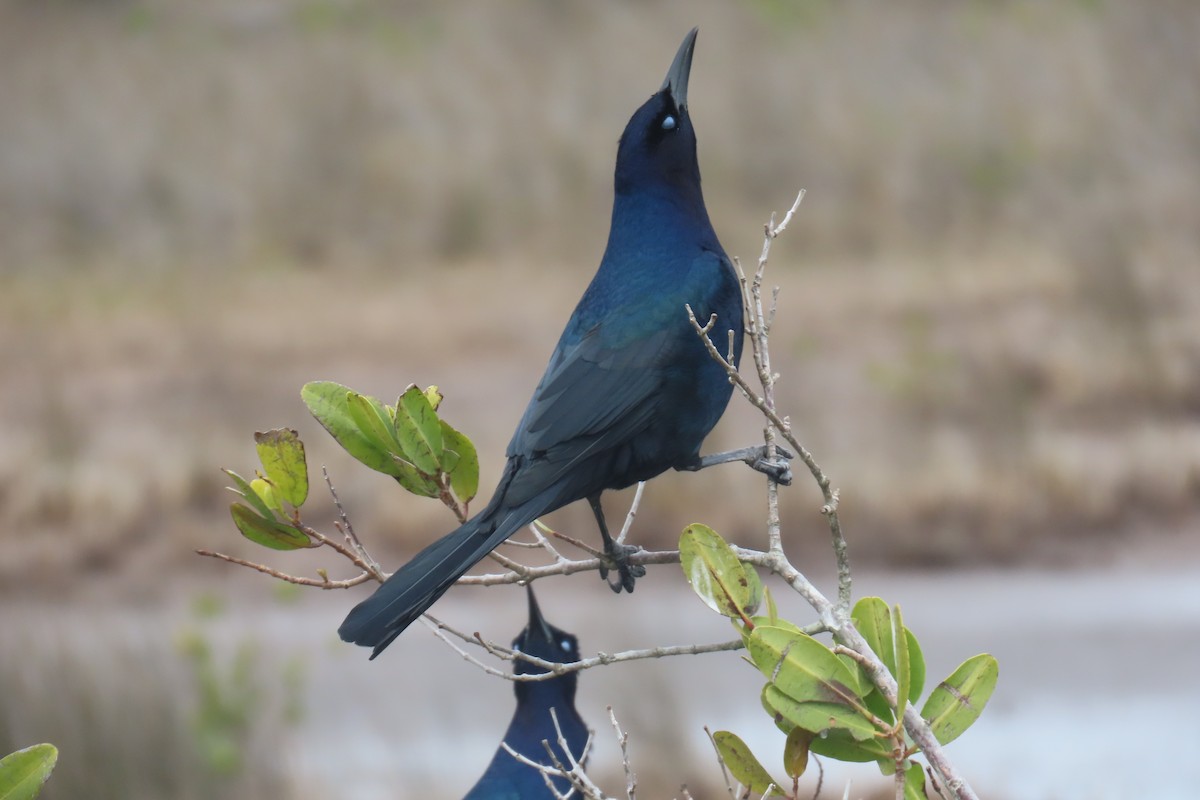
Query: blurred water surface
(1094, 665)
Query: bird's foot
(617, 557)
(778, 468)
(775, 467)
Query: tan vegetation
(989, 298)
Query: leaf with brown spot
(959, 700)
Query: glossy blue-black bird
(509, 779)
(630, 391)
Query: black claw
(627, 574)
(778, 470)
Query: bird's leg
(777, 468)
(616, 553)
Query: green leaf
(419, 431)
(776, 623)
(878, 706)
(413, 480)
(916, 660)
(840, 745)
(23, 772)
(873, 620)
(329, 403)
(743, 765)
(816, 716)
(903, 672)
(282, 456)
(464, 472)
(795, 752)
(266, 493)
(862, 684)
(754, 588)
(265, 531)
(714, 572)
(802, 667)
(959, 700)
(772, 611)
(251, 496)
(373, 421)
(914, 782)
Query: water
(1097, 683)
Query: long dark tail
(383, 616)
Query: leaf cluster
(823, 698)
(408, 441)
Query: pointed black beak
(537, 629)
(681, 67)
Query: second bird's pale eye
(668, 123)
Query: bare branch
(364, 560)
(554, 668)
(320, 583)
(633, 509)
(623, 741)
(834, 617)
(643, 557)
(572, 771)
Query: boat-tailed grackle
(506, 778)
(630, 391)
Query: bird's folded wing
(595, 396)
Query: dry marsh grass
(988, 319)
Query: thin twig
(320, 583)
(567, 567)
(633, 509)
(554, 668)
(572, 771)
(835, 617)
(623, 741)
(721, 761)
(352, 541)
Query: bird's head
(543, 640)
(658, 147)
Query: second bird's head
(658, 147)
(543, 640)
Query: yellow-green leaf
(282, 456)
(413, 480)
(434, 396)
(329, 403)
(959, 700)
(464, 471)
(266, 493)
(419, 431)
(373, 421)
(23, 772)
(715, 574)
(267, 532)
(743, 765)
(245, 490)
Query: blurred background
(987, 335)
